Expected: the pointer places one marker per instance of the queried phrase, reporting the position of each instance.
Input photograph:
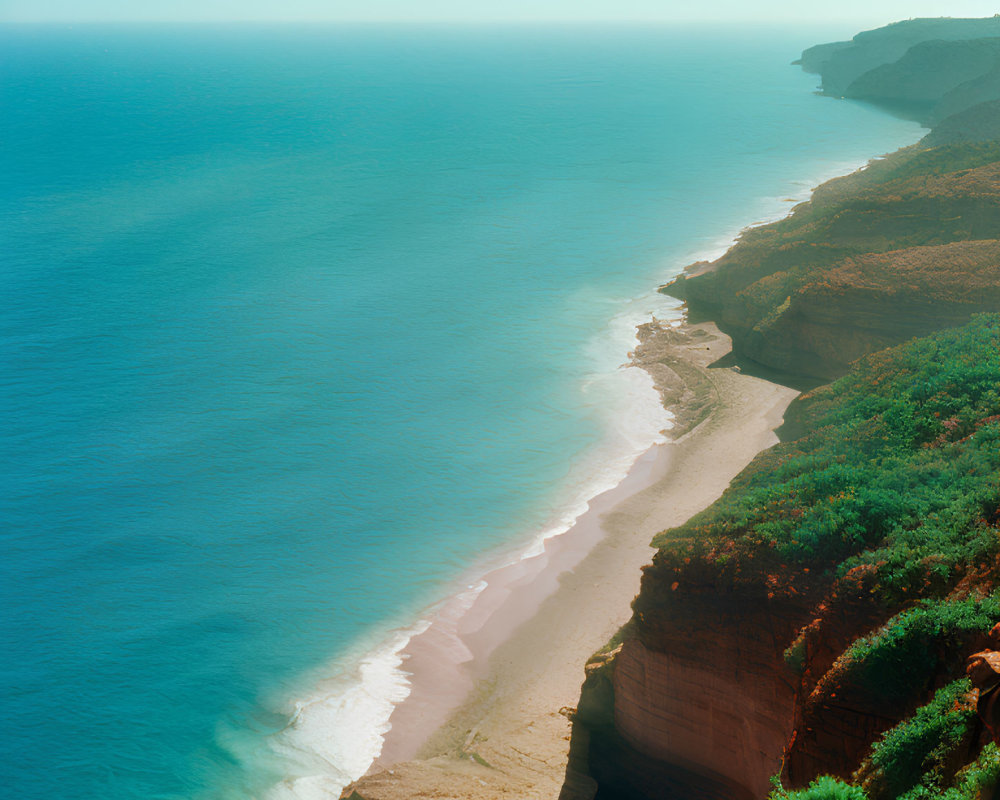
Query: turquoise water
(300, 323)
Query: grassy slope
(891, 491)
(773, 293)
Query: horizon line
(472, 22)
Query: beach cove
(511, 737)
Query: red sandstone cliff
(718, 702)
(720, 685)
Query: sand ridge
(503, 731)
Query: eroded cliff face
(873, 301)
(700, 684)
(703, 679)
(714, 694)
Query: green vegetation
(919, 757)
(933, 79)
(862, 265)
(869, 540)
(903, 248)
(935, 740)
(914, 761)
(896, 477)
(974, 782)
(824, 788)
(978, 123)
(795, 654)
(881, 182)
(911, 162)
(897, 660)
(890, 496)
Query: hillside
(841, 580)
(797, 626)
(807, 636)
(770, 291)
(933, 80)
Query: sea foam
(336, 731)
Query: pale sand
(492, 685)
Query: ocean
(304, 326)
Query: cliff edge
(807, 635)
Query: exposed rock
(984, 671)
(671, 356)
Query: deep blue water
(299, 323)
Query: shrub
(898, 660)
(898, 470)
(920, 753)
(824, 788)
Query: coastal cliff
(794, 628)
(898, 249)
(841, 64)
(807, 635)
(901, 249)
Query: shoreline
(412, 651)
(439, 660)
(442, 661)
(448, 630)
(488, 680)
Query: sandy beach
(494, 684)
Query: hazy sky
(878, 11)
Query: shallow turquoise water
(300, 323)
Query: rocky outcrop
(707, 718)
(664, 352)
(713, 694)
(732, 680)
(983, 669)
